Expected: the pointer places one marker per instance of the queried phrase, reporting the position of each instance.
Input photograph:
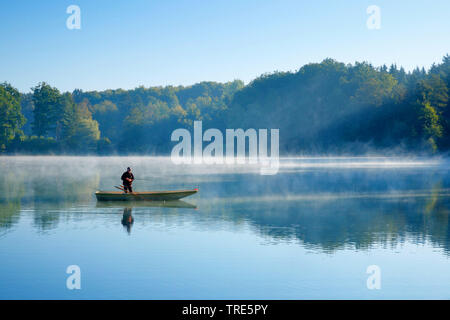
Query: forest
(320, 109)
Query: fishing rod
(150, 179)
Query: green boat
(145, 204)
(143, 196)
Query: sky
(126, 44)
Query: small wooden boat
(145, 204)
(143, 196)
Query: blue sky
(125, 44)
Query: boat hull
(143, 196)
(146, 204)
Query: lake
(309, 232)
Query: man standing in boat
(127, 179)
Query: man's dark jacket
(126, 175)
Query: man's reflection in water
(127, 219)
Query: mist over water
(309, 231)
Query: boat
(146, 204)
(144, 196)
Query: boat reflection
(127, 217)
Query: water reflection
(9, 215)
(127, 219)
(323, 209)
(330, 225)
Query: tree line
(322, 108)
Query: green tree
(108, 117)
(48, 109)
(431, 127)
(434, 90)
(79, 131)
(11, 118)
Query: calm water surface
(308, 232)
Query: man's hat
(128, 168)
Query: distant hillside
(326, 107)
